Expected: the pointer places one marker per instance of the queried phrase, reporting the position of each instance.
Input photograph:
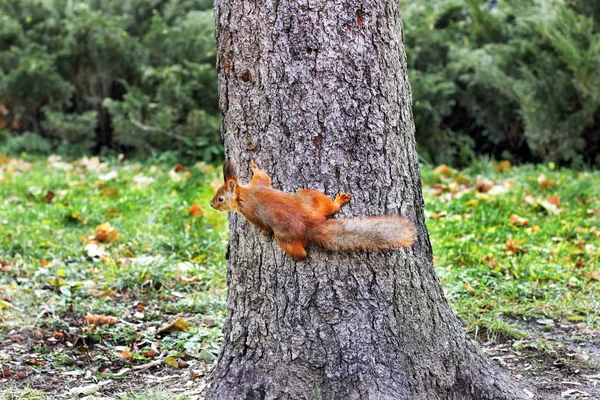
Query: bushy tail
(371, 233)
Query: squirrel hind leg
(294, 249)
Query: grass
(167, 259)
(498, 273)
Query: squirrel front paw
(342, 197)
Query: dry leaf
(179, 325)
(483, 185)
(472, 203)
(443, 170)
(49, 197)
(518, 221)
(555, 200)
(181, 364)
(512, 245)
(126, 354)
(196, 210)
(95, 319)
(502, 166)
(150, 353)
(544, 182)
(106, 233)
(593, 275)
(469, 288)
(172, 362)
(183, 279)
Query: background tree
(317, 93)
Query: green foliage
(131, 75)
(514, 79)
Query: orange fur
(299, 219)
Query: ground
(112, 274)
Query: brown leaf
(183, 279)
(95, 319)
(179, 168)
(126, 354)
(593, 275)
(196, 210)
(512, 245)
(5, 373)
(469, 288)
(106, 233)
(49, 197)
(443, 170)
(554, 200)
(181, 364)
(483, 185)
(208, 320)
(518, 221)
(178, 325)
(502, 166)
(150, 353)
(544, 182)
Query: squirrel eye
(220, 199)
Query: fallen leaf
(106, 233)
(593, 275)
(172, 362)
(181, 364)
(150, 354)
(518, 221)
(85, 390)
(512, 245)
(183, 279)
(472, 203)
(196, 210)
(483, 185)
(126, 354)
(178, 325)
(49, 197)
(469, 288)
(502, 166)
(555, 200)
(95, 251)
(5, 373)
(544, 182)
(208, 320)
(443, 170)
(95, 319)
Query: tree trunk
(317, 93)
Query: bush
(132, 75)
(515, 79)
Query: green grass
(498, 276)
(551, 272)
(48, 278)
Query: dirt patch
(551, 361)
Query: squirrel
(300, 219)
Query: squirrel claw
(343, 197)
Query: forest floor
(112, 275)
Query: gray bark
(317, 93)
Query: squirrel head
(226, 197)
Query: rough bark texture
(317, 93)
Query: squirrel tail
(371, 233)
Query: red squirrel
(300, 219)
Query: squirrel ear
(231, 184)
(229, 171)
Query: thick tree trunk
(317, 93)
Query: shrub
(515, 79)
(132, 75)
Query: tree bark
(317, 93)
